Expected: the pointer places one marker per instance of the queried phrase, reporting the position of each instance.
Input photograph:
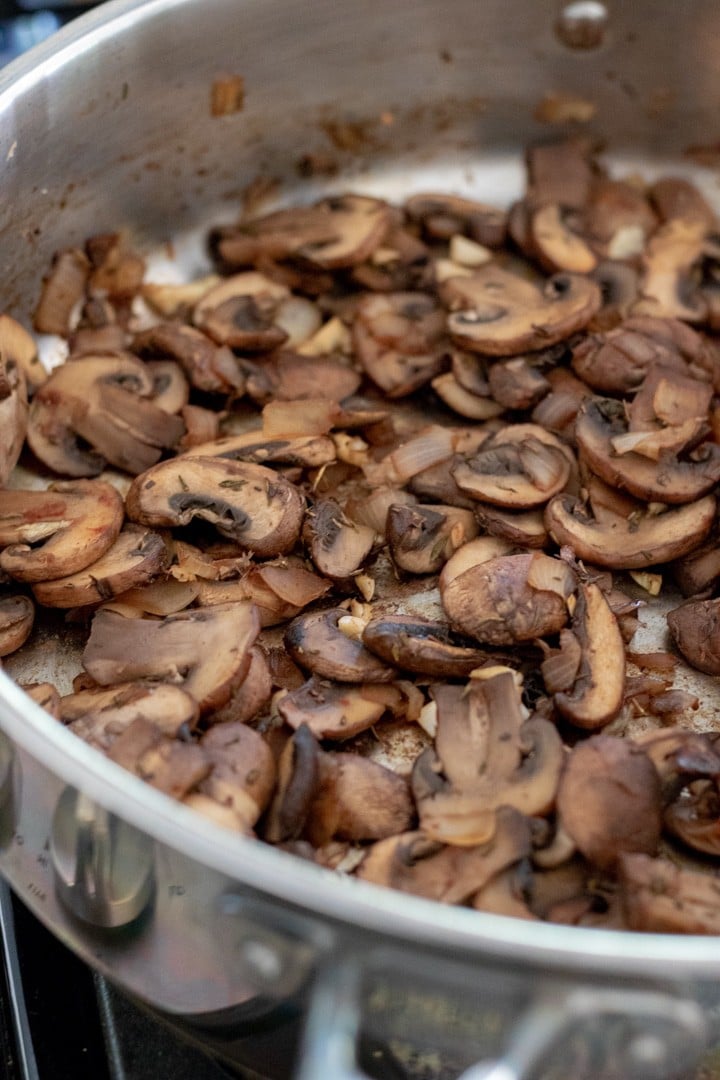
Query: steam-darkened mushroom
(243, 769)
(100, 715)
(249, 504)
(208, 366)
(618, 219)
(694, 817)
(421, 646)
(358, 800)
(103, 400)
(298, 783)
(662, 898)
(597, 693)
(501, 314)
(463, 401)
(634, 544)
(334, 711)
(17, 614)
(519, 468)
(399, 340)
(338, 546)
(317, 643)
(699, 572)
(308, 451)
(49, 534)
(509, 599)
(443, 216)
(486, 756)
(560, 172)
(695, 628)
(63, 289)
(240, 312)
(609, 800)
(415, 863)
(171, 390)
(13, 414)
(166, 764)
(137, 556)
(422, 538)
(205, 651)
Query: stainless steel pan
(108, 124)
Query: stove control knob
(103, 866)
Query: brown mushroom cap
(338, 546)
(358, 800)
(629, 544)
(317, 643)
(49, 534)
(99, 715)
(332, 710)
(243, 769)
(398, 338)
(667, 290)
(421, 646)
(609, 800)
(500, 314)
(556, 245)
(206, 651)
(207, 365)
(443, 216)
(597, 694)
(298, 783)
(137, 556)
(662, 898)
(17, 614)
(249, 504)
(519, 468)
(695, 628)
(13, 414)
(253, 694)
(422, 538)
(63, 288)
(239, 312)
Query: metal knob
(103, 866)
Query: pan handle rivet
(582, 24)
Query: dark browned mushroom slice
(253, 694)
(137, 556)
(248, 503)
(243, 769)
(17, 614)
(597, 693)
(205, 651)
(422, 538)
(519, 468)
(338, 546)
(699, 572)
(308, 451)
(509, 599)
(477, 551)
(63, 289)
(695, 628)
(13, 413)
(516, 384)
(667, 289)
(524, 528)
(49, 534)
(694, 817)
(486, 756)
(334, 711)
(556, 245)
(662, 478)
(414, 863)
(291, 376)
(634, 544)
(100, 715)
(18, 347)
(609, 800)
(170, 766)
(399, 340)
(207, 365)
(104, 400)
(358, 800)
(674, 197)
(240, 312)
(662, 898)
(444, 216)
(423, 647)
(618, 219)
(317, 643)
(117, 270)
(298, 783)
(398, 264)
(279, 590)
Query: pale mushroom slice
(517, 384)
(172, 767)
(662, 898)
(422, 538)
(137, 556)
(338, 545)
(333, 710)
(609, 800)
(45, 695)
(498, 313)
(243, 770)
(596, 696)
(307, 451)
(509, 599)
(13, 413)
(240, 312)
(63, 290)
(463, 401)
(317, 644)
(600, 431)
(423, 647)
(629, 544)
(556, 245)
(254, 506)
(487, 755)
(414, 863)
(205, 651)
(17, 615)
(106, 401)
(399, 340)
(358, 800)
(100, 715)
(667, 289)
(18, 347)
(444, 216)
(519, 468)
(50, 534)
(695, 629)
(208, 366)
(252, 697)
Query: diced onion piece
(428, 719)
(551, 575)
(651, 583)
(332, 337)
(468, 252)
(299, 318)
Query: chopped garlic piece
(366, 585)
(428, 718)
(468, 252)
(651, 583)
(333, 336)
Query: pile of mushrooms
(359, 527)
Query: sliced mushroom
(674, 197)
(243, 769)
(694, 817)
(253, 694)
(618, 219)
(421, 646)
(207, 365)
(557, 246)
(699, 572)
(249, 504)
(416, 864)
(504, 894)
(444, 216)
(63, 290)
(501, 314)
(422, 538)
(463, 401)
(205, 651)
(308, 451)
(519, 468)
(137, 556)
(695, 628)
(662, 898)
(13, 413)
(279, 590)
(105, 401)
(240, 312)
(509, 599)
(524, 528)
(170, 387)
(667, 290)
(477, 551)
(560, 172)
(399, 340)
(358, 800)
(338, 546)
(516, 384)
(18, 348)
(17, 614)
(291, 376)
(298, 783)
(170, 766)
(597, 693)
(100, 715)
(609, 800)
(49, 534)
(317, 643)
(171, 299)
(334, 711)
